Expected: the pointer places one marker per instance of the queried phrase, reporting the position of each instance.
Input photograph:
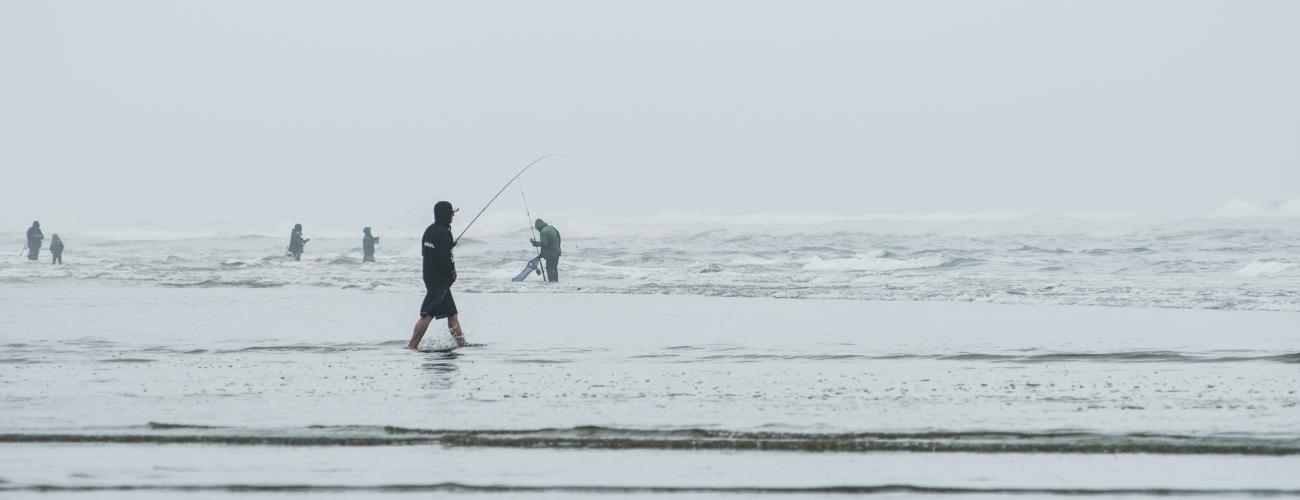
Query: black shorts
(438, 303)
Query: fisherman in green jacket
(550, 245)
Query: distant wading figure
(297, 242)
(368, 246)
(550, 245)
(439, 274)
(34, 238)
(56, 249)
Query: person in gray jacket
(297, 242)
(550, 245)
(56, 248)
(368, 245)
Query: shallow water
(610, 395)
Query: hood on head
(366, 230)
(443, 211)
(36, 224)
(539, 224)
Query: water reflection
(443, 368)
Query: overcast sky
(318, 110)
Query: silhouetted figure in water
(368, 246)
(34, 238)
(297, 242)
(439, 274)
(550, 245)
(56, 249)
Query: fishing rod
(404, 214)
(503, 189)
(532, 230)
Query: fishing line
(528, 213)
(532, 230)
(406, 213)
(502, 190)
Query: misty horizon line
(507, 222)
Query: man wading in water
(550, 246)
(439, 274)
(297, 242)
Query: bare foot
(460, 340)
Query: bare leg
(453, 324)
(418, 334)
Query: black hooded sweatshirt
(438, 262)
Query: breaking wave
(878, 263)
(1268, 268)
(1241, 209)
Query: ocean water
(988, 356)
(1098, 259)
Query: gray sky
(352, 111)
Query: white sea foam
(873, 262)
(1268, 268)
(751, 260)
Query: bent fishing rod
(503, 189)
(431, 198)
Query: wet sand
(231, 391)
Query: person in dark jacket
(439, 274)
(34, 238)
(368, 246)
(56, 248)
(297, 242)
(550, 245)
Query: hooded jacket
(368, 243)
(296, 241)
(550, 240)
(435, 247)
(34, 235)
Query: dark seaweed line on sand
(831, 445)
(216, 439)
(499, 488)
(987, 443)
(1053, 357)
